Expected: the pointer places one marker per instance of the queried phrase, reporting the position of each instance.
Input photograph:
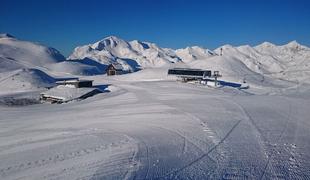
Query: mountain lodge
(115, 69)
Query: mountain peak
(226, 46)
(144, 45)
(6, 35)
(110, 42)
(111, 39)
(245, 46)
(114, 38)
(266, 44)
(293, 44)
(195, 47)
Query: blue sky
(65, 24)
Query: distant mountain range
(290, 61)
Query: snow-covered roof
(67, 93)
(117, 66)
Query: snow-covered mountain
(16, 54)
(290, 61)
(290, 55)
(293, 57)
(129, 54)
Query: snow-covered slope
(253, 59)
(112, 49)
(81, 67)
(259, 62)
(232, 69)
(16, 54)
(24, 80)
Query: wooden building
(115, 69)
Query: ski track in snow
(271, 148)
(202, 156)
(154, 130)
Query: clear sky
(65, 24)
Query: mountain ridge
(265, 58)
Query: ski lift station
(203, 76)
(190, 74)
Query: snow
(147, 125)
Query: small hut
(115, 69)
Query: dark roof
(186, 72)
(85, 80)
(73, 81)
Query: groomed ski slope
(159, 130)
